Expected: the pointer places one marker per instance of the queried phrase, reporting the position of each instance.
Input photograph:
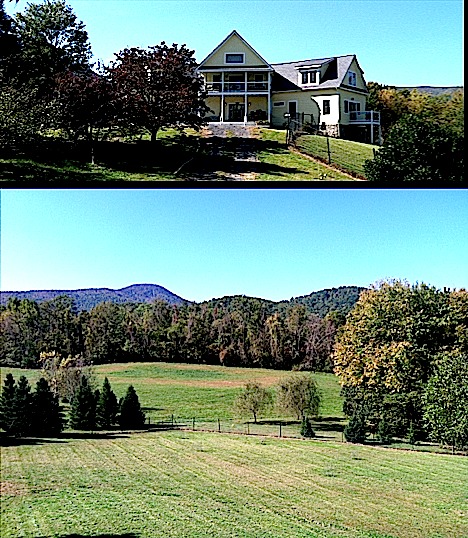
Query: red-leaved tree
(158, 87)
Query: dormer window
(352, 78)
(310, 77)
(234, 58)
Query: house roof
(285, 77)
(236, 33)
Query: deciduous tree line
(49, 85)
(402, 359)
(241, 332)
(39, 414)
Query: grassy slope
(292, 166)
(191, 390)
(183, 484)
(196, 484)
(344, 153)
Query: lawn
(196, 484)
(345, 154)
(284, 165)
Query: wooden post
(193, 424)
(328, 149)
(280, 430)
(219, 426)
(248, 428)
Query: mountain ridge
(340, 299)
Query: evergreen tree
(131, 414)
(106, 407)
(47, 416)
(22, 409)
(6, 403)
(83, 408)
(356, 431)
(306, 428)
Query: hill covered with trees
(234, 331)
(86, 299)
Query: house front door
(236, 112)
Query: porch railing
(368, 116)
(236, 87)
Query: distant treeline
(234, 331)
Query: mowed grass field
(198, 484)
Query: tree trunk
(154, 135)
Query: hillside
(322, 302)
(85, 299)
(433, 90)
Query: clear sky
(397, 42)
(199, 244)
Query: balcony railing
(236, 87)
(368, 116)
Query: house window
(304, 78)
(309, 77)
(234, 58)
(346, 107)
(326, 106)
(279, 103)
(351, 106)
(351, 78)
(313, 77)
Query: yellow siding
(304, 104)
(234, 44)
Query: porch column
(269, 98)
(246, 102)
(372, 127)
(221, 115)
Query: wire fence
(291, 429)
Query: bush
(418, 149)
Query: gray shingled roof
(285, 76)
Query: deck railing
(368, 116)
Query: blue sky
(270, 243)
(397, 42)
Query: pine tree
(47, 416)
(83, 407)
(131, 415)
(106, 407)
(356, 431)
(22, 409)
(6, 403)
(306, 428)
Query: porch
(368, 122)
(239, 108)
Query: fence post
(219, 426)
(280, 429)
(172, 421)
(248, 428)
(328, 149)
(193, 424)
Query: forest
(233, 331)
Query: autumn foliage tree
(158, 87)
(387, 349)
(254, 399)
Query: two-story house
(329, 93)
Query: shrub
(306, 428)
(356, 430)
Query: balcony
(236, 87)
(365, 117)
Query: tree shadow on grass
(64, 437)
(180, 158)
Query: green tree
(254, 399)
(445, 401)
(131, 415)
(356, 429)
(21, 421)
(6, 403)
(107, 406)
(83, 407)
(52, 41)
(306, 428)
(47, 416)
(418, 149)
(299, 395)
